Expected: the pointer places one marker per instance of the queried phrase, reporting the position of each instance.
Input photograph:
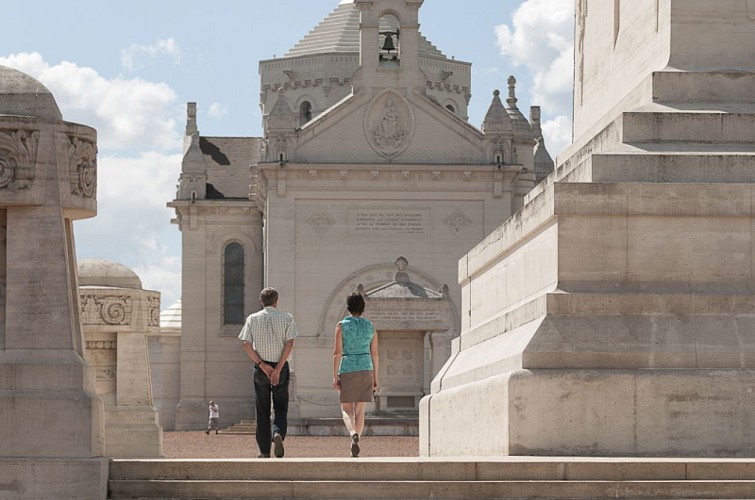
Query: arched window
(450, 108)
(233, 284)
(305, 113)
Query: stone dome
(22, 95)
(100, 272)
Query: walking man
(214, 417)
(268, 339)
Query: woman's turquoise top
(356, 334)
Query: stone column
(51, 420)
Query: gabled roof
(402, 287)
(339, 32)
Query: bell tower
(389, 44)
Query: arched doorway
(415, 324)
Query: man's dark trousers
(263, 392)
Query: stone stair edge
(432, 489)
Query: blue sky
(128, 69)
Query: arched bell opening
(389, 36)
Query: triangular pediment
(389, 126)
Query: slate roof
(228, 160)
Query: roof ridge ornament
(511, 101)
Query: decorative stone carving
(280, 150)
(457, 221)
(389, 124)
(191, 187)
(102, 344)
(153, 318)
(82, 158)
(18, 154)
(320, 221)
(110, 310)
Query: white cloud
(127, 113)
(138, 165)
(132, 55)
(133, 224)
(217, 110)
(147, 181)
(542, 40)
(557, 133)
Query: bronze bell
(388, 43)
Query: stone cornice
(392, 167)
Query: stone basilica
(369, 177)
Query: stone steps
(725, 124)
(692, 167)
(510, 477)
(242, 428)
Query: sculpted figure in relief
(388, 132)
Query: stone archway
(415, 325)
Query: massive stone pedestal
(51, 420)
(614, 314)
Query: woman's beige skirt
(356, 386)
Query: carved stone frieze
(109, 310)
(101, 344)
(18, 155)
(82, 167)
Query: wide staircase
(447, 478)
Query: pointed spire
(518, 120)
(192, 183)
(281, 117)
(191, 118)
(496, 119)
(535, 121)
(193, 160)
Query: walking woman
(355, 367)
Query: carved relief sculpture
(154, 311)
(389, 124)
(387, 133)
(110, 310)
(320, 221)
(82, 157)
(457, 221)
(18, 152)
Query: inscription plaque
(405, 316)
(389, 221)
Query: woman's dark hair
(355, 303)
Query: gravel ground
(196, 444)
